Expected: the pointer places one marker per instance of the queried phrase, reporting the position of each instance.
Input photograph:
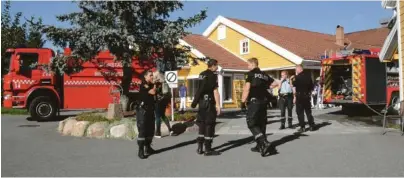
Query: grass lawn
(13, 111)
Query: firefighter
(145, 115)
(207, 96)
(257, 83)
(303, 85)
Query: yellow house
(393, 46)
(233, 41)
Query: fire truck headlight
(7, 97)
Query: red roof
(311, 45)
(210, 49)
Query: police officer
(303, 86)
(257, 83)
(145, 115)
(207, 96)
(285, 99)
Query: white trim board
(389, 44)
(268, 44)
(400, 54)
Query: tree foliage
(14, 33)
(126, 29)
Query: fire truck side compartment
(375, 81)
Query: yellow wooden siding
(401, 5)
(266, 57)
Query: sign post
(171, 77)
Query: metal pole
(172, 104)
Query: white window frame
(231, 80)
(190, 98)
(221, 32)
(248, 46)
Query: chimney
(340, 35)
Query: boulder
(119, 131)
(61, 125)
(114, 111)
(79, 128)
(68, 126)
(97, 130)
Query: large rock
(114, 111)
(97, 130)
(119, 131)
(61, 125)
(68, 126)
(79, 128)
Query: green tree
(14, 33)
(126, 29)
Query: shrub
(187, 116)
(94, 117)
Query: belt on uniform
(255, 100)
(285, 94)
(303, 93)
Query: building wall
(401, 28)
(266, 57)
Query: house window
(193, 85)
(244, 46)
(227, 88)
(221, 32)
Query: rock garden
(97, 125)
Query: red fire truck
(359, 79)
(29, 86)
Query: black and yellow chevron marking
(356, 78)
(327, 79)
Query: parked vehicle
(28, 85)
(358, 80)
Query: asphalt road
(31, 148)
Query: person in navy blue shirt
(183, 96)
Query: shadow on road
(179, 145)
(55, 119)
(235, 143)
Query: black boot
(149, 150)
(141, 149)
(302, 129)
(256, 148)
(264, 146)
(208, 149)
(200, 141)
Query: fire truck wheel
(395, 100)
(132, 106)
(42, 108)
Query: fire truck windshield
(8, 60)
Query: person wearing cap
(207, 96)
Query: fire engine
(43, 93)
(359, 79)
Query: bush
(13, 111)
(187, 116)
(94, 117)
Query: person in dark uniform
(207, 96)
(285, 99)
(145, 115)
(255, 90)
(303, 85)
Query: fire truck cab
(29, 85)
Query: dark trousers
(286, 102)
(257, 118)
(145, 123)
(206, 120)
(303, 105)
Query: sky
(314, 16)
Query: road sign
(171, 77)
